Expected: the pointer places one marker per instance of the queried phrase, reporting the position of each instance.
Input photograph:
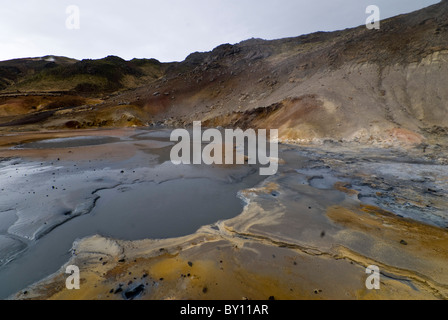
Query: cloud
(169, 30)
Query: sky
(169, 30)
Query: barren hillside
(382, 86)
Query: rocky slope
(384, 86)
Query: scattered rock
(134, 293)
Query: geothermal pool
(47, 205)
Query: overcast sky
(169, 30)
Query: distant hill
(53, 73)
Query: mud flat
(309, 232)
(115, 183)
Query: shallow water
(71, 142)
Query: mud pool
(45, 206)
(121, 185)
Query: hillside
(384, 86)
(60, 74)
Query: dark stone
(132, 294)
(403, 243)
(271, 298)
(190, 263)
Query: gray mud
(409, 186)
(46, 206)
